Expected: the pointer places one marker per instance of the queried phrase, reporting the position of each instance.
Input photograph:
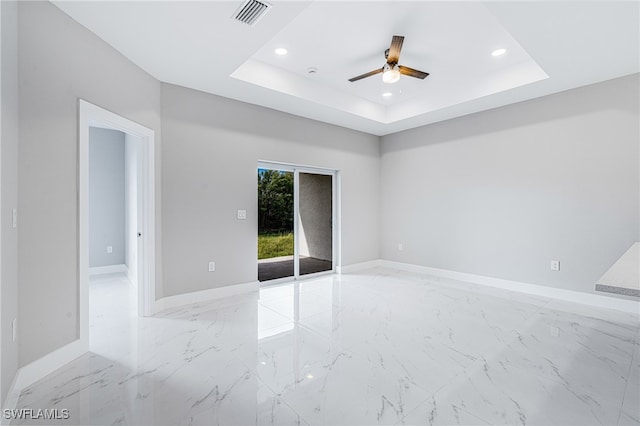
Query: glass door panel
(315, 222)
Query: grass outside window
(275, 245)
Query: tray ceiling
(550, 47)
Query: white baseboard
(36, 370)
(204, 295)
(110, 269)
(358, 266)
(601, 301)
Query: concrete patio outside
(282, 267)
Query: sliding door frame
(335, 214)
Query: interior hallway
(376, 347)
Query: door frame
(336, 230)
(91, 115)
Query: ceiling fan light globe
(391, 75)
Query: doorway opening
(116, 217)
(297, 221)
(113, 224)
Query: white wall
(210, 150)
(9, 193)
(60, 61)
(107, 214)
(503, 192)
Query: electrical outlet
(555, 331)
(212, 266)
(242, 214)
(400, 247)
(109, 249)
(555, 265)
(14, 218)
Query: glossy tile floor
(377, 347)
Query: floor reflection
(376, 347)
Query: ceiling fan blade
(394, 50)
(369, 74)
(412, 73)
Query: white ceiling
(551, 46)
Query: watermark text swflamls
(36, 414)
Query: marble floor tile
(375, 347)
(562, 347)
(630, 412)
(493, 394)
(349, 390)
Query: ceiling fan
(391, 70)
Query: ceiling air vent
(251, 11)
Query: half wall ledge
(624, 276)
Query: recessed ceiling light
(498, 52)
(281, 51)
(387, 94)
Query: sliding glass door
(296, 232)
